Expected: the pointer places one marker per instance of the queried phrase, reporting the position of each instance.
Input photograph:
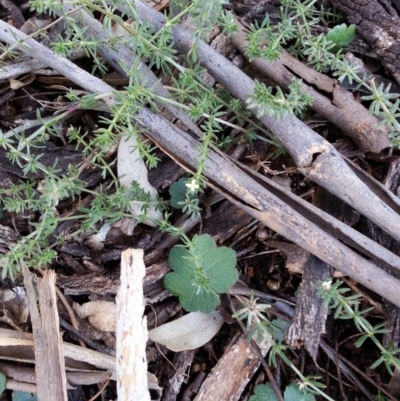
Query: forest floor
(304, 202)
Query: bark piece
(50, 366)
(92, 283)
(233, 371)
(379, 26)
(50, 152)
(225, 222)
(392, 183)
(131, 330)
(308, 322)
(101, 314)
(27, 375)
(296, 257)
(14, 306)
(182, 362)
(16, 13)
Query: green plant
(259, 324)
(347, 307)
(201, 271)
(256, 320)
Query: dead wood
(343, 110)
(131, 334)
(233, 371)
(121, 55)
(308, 322)
(379, 25)
(50, 368)
(22, 374)
(181, 362)
(15, 12)
(19, 346)
(269, 209)
(309, 144)
(344, 367)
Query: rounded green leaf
(203, 301)
(191, 298)
(264, 392)
(180, 260)
(175, 283)
(178, 191)
(293, 393)
(201, 273)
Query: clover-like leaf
(200, 273)
(264, 392)
(293, 393)
(178, 191)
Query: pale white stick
(131, 330)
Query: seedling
(201, 271)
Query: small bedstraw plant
(201, 271)
(259, 326)
(347, 307)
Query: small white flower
(326, 285)
(193, 186)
